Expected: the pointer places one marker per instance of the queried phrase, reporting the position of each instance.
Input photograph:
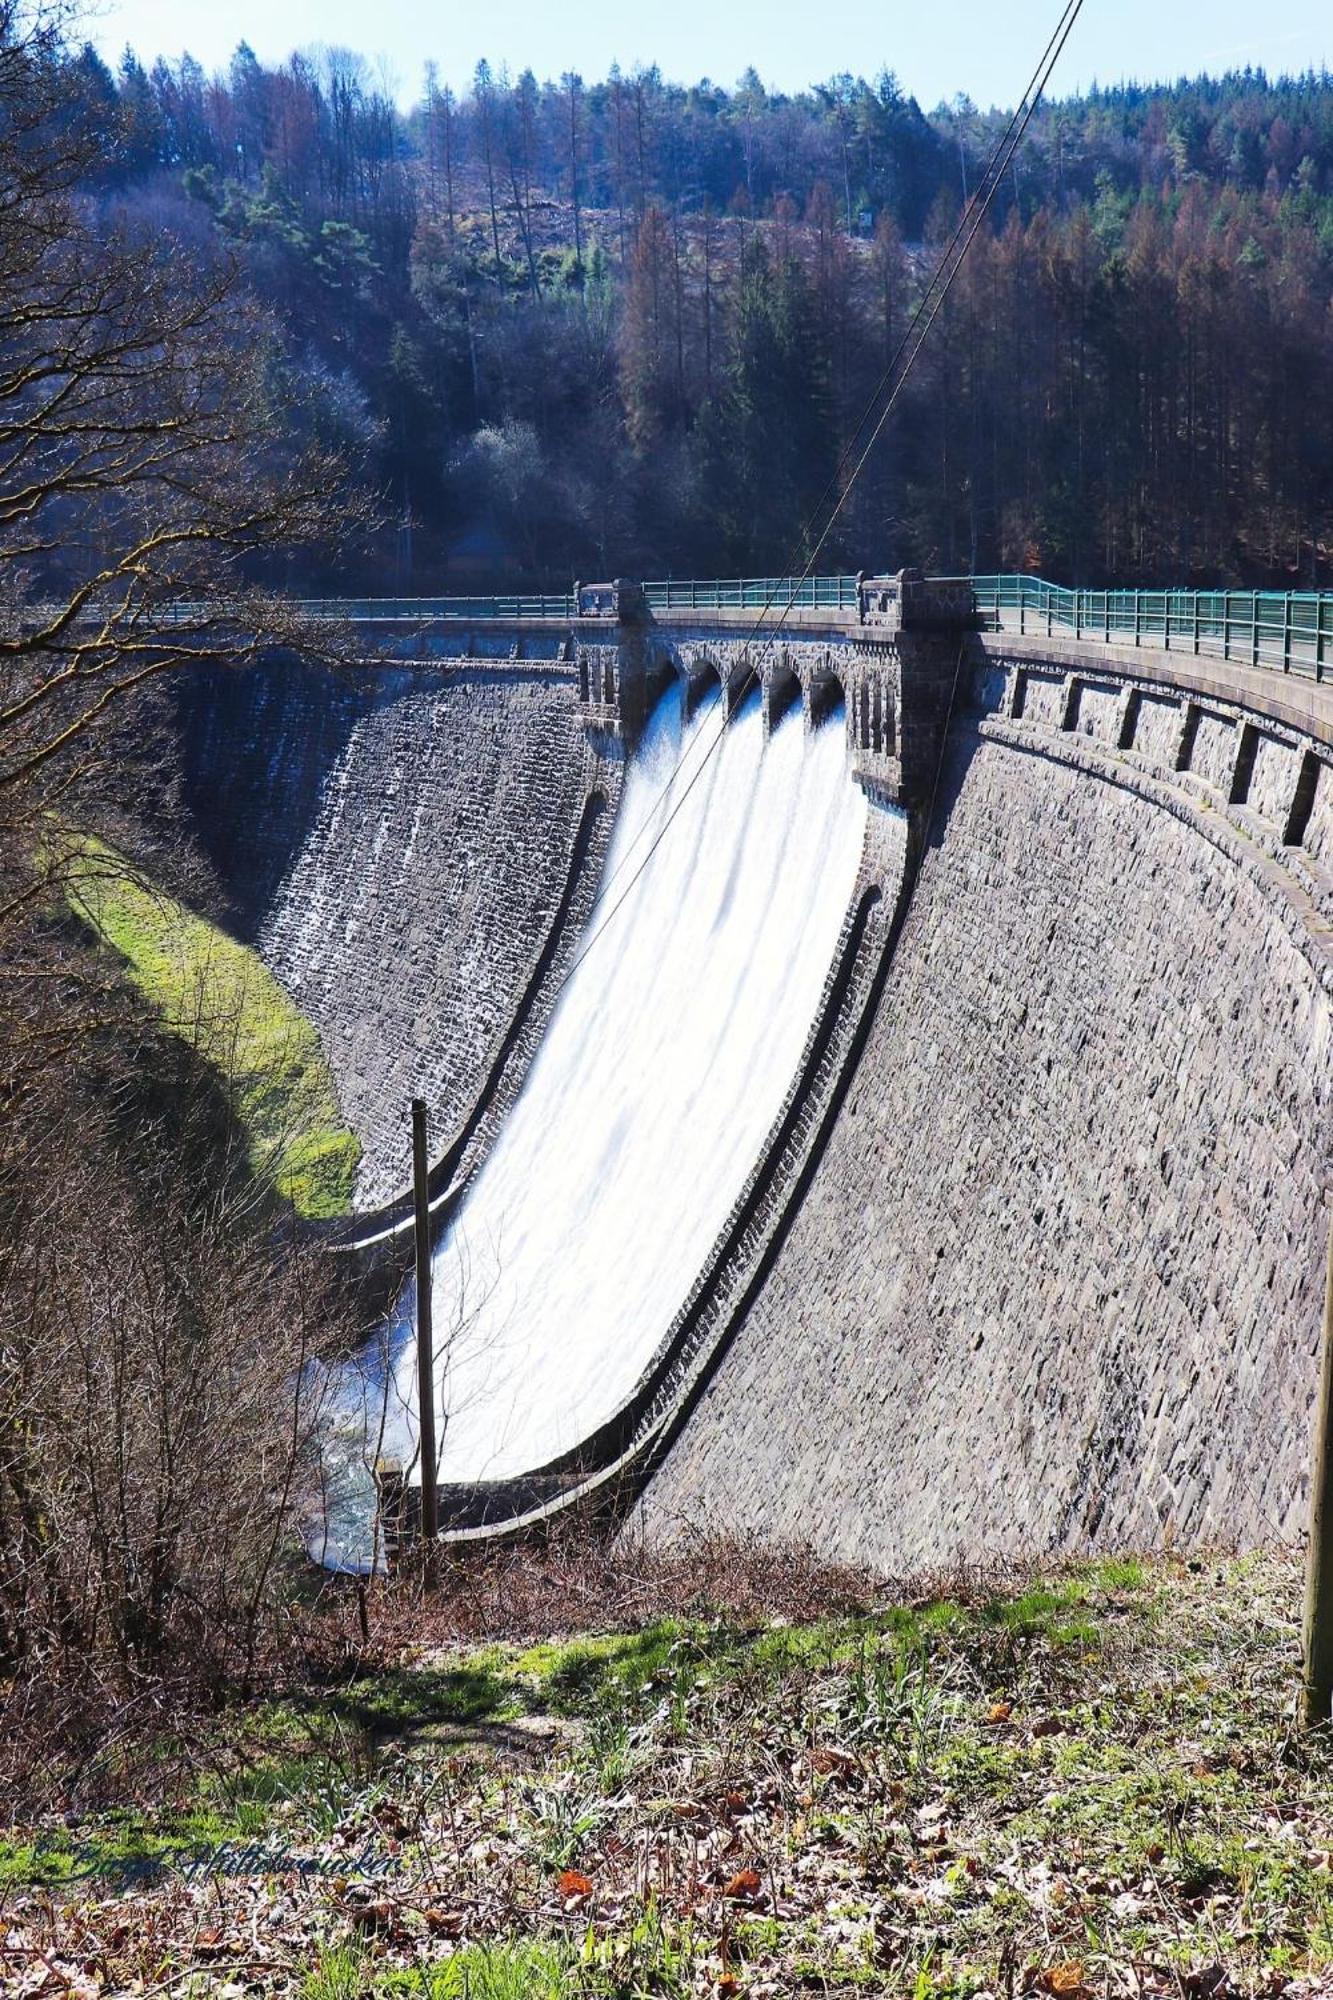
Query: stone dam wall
(1035, 1258)
(1057, 1280)
(403, 846)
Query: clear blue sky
(937, 47)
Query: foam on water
(662, 1070)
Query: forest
(582, 327)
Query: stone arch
(660, 677)
(782, 691)
(701, 674)
(742, 681)
(827, 693)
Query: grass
(522, 1971)
(220, 997)
(1085, 1783)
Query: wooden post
(1317, 1633)
(430, 1513)
(391, 1498)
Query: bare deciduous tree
(156, 1420)
(148, 479)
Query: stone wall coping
(768, 625)
(1292, 700)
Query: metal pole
(1317, 1633)
(430, 1512)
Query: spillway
(663, 1068)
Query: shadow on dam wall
(1057, 1278)
(400, 843)
(257, 745)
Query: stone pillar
(932, 667)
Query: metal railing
(385, 610)
(1287, 631)
(423, 610)
(1290, 631)
(831, 593)
(752, 593)
(743, 593)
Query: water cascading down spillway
(664, 1066)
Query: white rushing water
(662, 1070)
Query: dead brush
(577, 1580)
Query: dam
(1021, 1240)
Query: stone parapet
(1295, 700)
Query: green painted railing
(741, 593)
(752, 593)
(1286, 631)
(1290, 631)
(745, 593)
(394, 610)
(415, 610)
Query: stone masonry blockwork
(1058, 1279)
(397, 843)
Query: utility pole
(430, 1513)
(1317, 1633)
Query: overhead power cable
(946, 270)
(854, 453)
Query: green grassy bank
(220, 997)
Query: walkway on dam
(1291, 631)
